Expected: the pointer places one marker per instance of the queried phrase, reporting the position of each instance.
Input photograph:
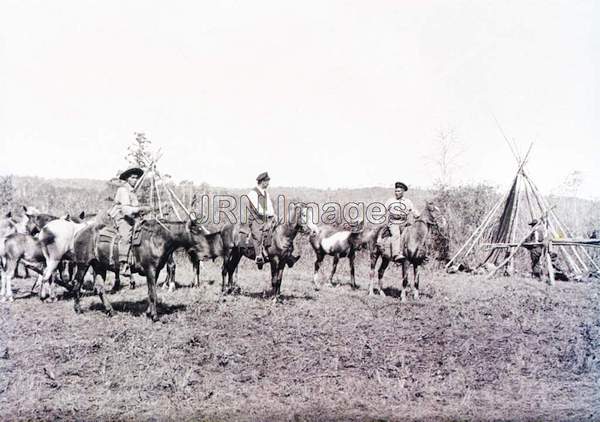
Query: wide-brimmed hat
(263, 176)
(401, 185)
(131, 171)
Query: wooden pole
(159, 200)
(551, 278)
(560, 226)
(515, 250)
(481, 228)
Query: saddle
(267, 234)
(109, 236)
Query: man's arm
(122, 200)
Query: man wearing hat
(124, 211)
(261, 215)
(400, 210)
(536, 251)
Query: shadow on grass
(267, 296)
(139, 307)
(395, 293)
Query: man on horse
(400, 210)
(261, 215)
(124, 212)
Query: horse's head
(299, 218)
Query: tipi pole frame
(477, 232)
(561, 226)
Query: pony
(413, 241)
(236, 243)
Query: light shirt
(126, 200)
(267, 211)
(400, 209)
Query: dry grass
(469, 349)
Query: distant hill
(61, 196)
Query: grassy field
(468, 349)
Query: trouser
(125, 228)
(259, 226)
(396, 229)
(536, 257)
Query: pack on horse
(413, 246)
(278, 246)
(153, 245)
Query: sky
(318, 93)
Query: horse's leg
(51, 265)
(336, 259)
(117, 286)
(351, 257)
(404, 280)
(38, 279)
(233, 265)
(274, 276)
(71, 268)
(373, 264)
(196, 265)
(2, 285)
(79, 275)
(385, 261)
(170, 281)
(318, 262)
(11, 267)
(224, 269)
(280, 269)
(151, 312)
(416, 276)
(99, 280)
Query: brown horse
(236, 243)
(413, 242)
(157, 242)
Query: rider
(261, 215)
(399, 209)
(124, 211)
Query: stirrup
(124, 269)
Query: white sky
(319, 93)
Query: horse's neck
(285, 234)
(177, 234)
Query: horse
(236, 243)
(328, 240)
(57, 242)
(157, 242)
(413, 243)
(8, 227)
(171, 267)
(25, 249)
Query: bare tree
(445, 157)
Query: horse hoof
(77, 309)
(416, 295)
(381, 293)
(110, 313)
(11, 299)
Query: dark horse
(157, 242)
(236, 243)
(413, 241)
